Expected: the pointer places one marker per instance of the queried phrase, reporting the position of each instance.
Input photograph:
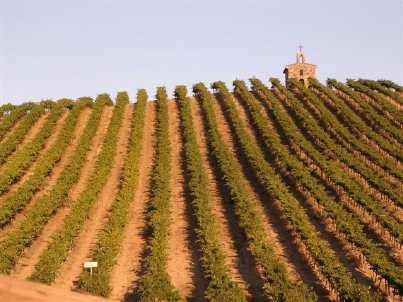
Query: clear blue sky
(55, 49)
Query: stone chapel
(300, 70)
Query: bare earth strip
(180, 266)
(93, 154)
(49, 143)
(72, 268)
(126, 273)
(52, 178)
(336, 245)
(25, 267)
(227, 240)
(285, 247)
(15, 290)
(22, 269)
(20, 216)
(32, 132)
(270, 230)
(257, 198)
(11, 130)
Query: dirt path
(180, 266)
(92, 156)
(126, 273)
(33, 131)
(52, 178)
(72, 267)
(49, 143)
(26, 265)
(49, 181)
(272, 233)
(320, 226)
(11, 130)
(229, 233)
(15, 290)
(294, 250)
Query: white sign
(90, 264)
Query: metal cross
(300, 47)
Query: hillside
(260, 193)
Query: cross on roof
(300, 47)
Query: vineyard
(255, 192)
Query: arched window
(301, 72)
(302, 81)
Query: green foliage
(21, 160)
(391, 85)
(372, 116)
(107, 249)
(346, 223)
(6, 107)
(16, 113)
(155, 283)
(220, 287)
(382, 87)
(351, 120)
(320, 250)
(9, 146)
(277, 285)
(367, 150)
(335, 173)
(391, 109)
(62, 241)
(376, 180)
(37, 216)
(17, 199)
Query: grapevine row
(324, 257)
(16, 113)
(321, 137)
(390, 85)
(10, 145)
(110, 238)
(155, 283)
(329, 120)
(276, 281)
(336, 174)
(370, 113)
(13, 245)
(220, 287)
(16, 200)
(62, 241)
(396, 114)
(20, 160)
(346, 223)
(377, 181)
(378, 86)
(351, 118)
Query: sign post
(90, 265)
